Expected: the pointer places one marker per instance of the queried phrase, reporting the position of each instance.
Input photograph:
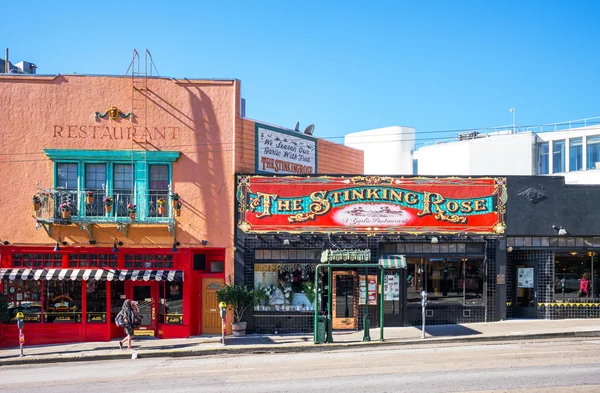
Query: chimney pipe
(6, 63)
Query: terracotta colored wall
(203, 112)
(332, 158)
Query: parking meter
(223, 313)
(423, 305)
(21, 324)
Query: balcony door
(95, 183)
(123, 188)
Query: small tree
(4, 314)
(238, 297)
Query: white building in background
(388, 151)
(569, 149)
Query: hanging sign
(371, 204)
(391, 287)
(525, 277)
(368, 290)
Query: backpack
(119, 320)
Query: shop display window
(95, 292)
(285, 286)
(23, 296)
(576, 275)
(171, 303)
(62, 302)
(117, 298)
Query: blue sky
(343, 65)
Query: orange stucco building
(133, 185)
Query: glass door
(344, 299)
(525, 292)
(146, 295)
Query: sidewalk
(211, 345)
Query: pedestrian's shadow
(449, 330)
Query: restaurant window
(593, 152)
(66, 186)
(544, 158)
(95, 184)
(62, 301)
(37, 260)
(159, 188)
(575, 154)
(149, 261)
(23, 296)
(558, 156)
(285, 286)
(95, 292)
(123, 187)
(171, 303)
(93, 260)
(117, 298)
(570, 269)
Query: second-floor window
(544, 158)
(123, 187)
(558, 156)
(159, 189)
(95, 184)
(66, 186)
(593, 152)
(575, 154)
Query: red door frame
(129, 288)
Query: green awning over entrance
(393, 261)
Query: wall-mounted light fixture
(57, 247)
(561, 231)
(434, 240)
(5, 242)
(175, 245)
(117, 242)
(286, 242)
(203, 241)
(509, 249)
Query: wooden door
(344, 299)
(211, 320)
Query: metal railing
(93, 205)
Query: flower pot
(36, 206)
(89, 199)
(178, 211)
(132, 216)
(174, 202)
(238, 329)
(65, 214)
(161, 210)
(107, 208)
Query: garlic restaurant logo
(319, 203)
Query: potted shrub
(239, 298)
(178, 208)
(65, 210)
(174, 199)
(131, 210)
(89, 197)
(161, 206)
(37, 202)
(108, 202)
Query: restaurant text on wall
(284, 152)
(371, 204)
(72, 131)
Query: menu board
(391, 287)
(369, 290)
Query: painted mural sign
(284, 152)
(371, 204)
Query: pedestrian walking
(127, 318)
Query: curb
(275, 349)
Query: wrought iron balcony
(67, 206)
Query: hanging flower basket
(174, 199)
(89, 197)
(37, 202)
(131, 210)
(108, 202)
(65, 210)
(161, 206)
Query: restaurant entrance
(146, 294)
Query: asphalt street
(549, 366)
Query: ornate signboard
(371, 204)
(284, 152)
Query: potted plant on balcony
(65, 210)
(131, 209)
(108, 202)
(89, 197)
(238, 298)
(37, 202)
(160, 206)
(174, 199)
(178, 208)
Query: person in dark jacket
(129, 312)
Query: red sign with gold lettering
(371, 204)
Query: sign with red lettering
(284, 152)
(371, 204)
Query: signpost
(223, 312)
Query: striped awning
(393, 261)
(91, 274)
